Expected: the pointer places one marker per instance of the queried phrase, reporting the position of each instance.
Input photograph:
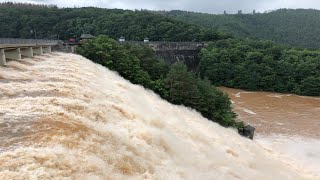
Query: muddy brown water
(275, 113)
(64, 117)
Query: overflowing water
(62, 116)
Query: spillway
(62, 116)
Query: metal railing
(166, 42)
(16, 41)
(167, 46)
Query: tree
(291, 27)
(182, 86)
(261, 65)
(18, 19)
(310, 86)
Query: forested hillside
(297, 28)
(29, 21)
(261, 65)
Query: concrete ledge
(13, 54)
(27, 52)
(17, 53)
(46, 49)
(2, 57)
(38, 50)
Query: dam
(171, 52)
(16, 49)
(62, 116)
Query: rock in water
(247, 131)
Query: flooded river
(286, 123)
(274, 113)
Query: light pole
(35, 33)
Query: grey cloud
(209, 6)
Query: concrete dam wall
(171, 52)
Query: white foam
(88, 122)
(302, 151)
(248, 111)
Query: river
(287, 123)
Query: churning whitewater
(62, 116)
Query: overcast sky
(208, 6)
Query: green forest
(50, 22)
(295, 28)
(261, 65)
(174, 83)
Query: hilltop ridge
(294, 27)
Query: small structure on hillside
(146, 40)
(86, 36)
(122, 39)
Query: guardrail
(167, 46)
(14, 41)
(166, 42)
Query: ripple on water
(278, 113)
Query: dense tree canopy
(296, 28)
(29, 21)
(261, 65)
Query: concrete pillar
(2, 57)
(47, 49)
(27, 52)
(38, 50)
(19, 53)
(13, 54)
